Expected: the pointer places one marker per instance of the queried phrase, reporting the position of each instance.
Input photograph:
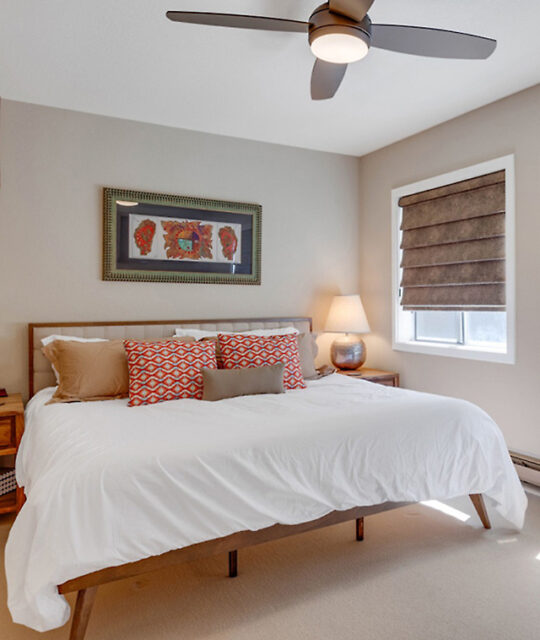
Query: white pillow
(199, 334)
(49, 339)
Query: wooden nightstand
(11, 430)
(388, 378)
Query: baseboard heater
(527, 467)
(523, 460)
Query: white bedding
(107, 484)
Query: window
(473, 328)
(453, 264)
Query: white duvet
(107, 484)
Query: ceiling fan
(340, 32)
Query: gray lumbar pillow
(229, 383)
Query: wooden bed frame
(86, 585)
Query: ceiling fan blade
(325, 79)
(238, 21)
(355, 9)
(434, 43)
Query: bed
(114, 491)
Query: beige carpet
(419, 574)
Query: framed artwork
(154, 237)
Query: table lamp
(347, 316)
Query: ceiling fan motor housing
(324, 22)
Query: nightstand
(11, 430)
(388, 378)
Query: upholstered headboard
(41, 375)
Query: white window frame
(507, 355)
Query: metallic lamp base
(348, 352)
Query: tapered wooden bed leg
(233, 564)
(359, 529)
(83, 609)
(478, 502)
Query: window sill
(456, 351)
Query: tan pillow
(307, 349)
(229, 383)
(90, 370)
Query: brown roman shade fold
(453, 246)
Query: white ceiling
(123, 58)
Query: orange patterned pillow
(167, 370)
(238, 352)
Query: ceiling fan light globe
(339, 48)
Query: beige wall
(510, 393)
(53, 166)
(54, 163)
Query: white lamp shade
(347, 315)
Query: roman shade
(453, 246)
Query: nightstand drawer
(7, 432)
(11, 430)
(390, 381)
(376, 376)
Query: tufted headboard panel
(41, 375)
